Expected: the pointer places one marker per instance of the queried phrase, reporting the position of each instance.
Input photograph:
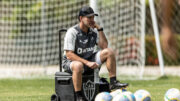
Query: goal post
(143, 21)
(157, 39)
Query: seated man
(81, 56)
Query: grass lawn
(41, 89)
(157, 88)
(26, 89)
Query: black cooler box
(65, 91)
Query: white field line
(35, 71)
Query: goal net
(124, 24)
(29, 29)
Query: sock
(78, 93)
(112, 79)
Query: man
(80, 53)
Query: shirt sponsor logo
(81, 51)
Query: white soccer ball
(172, 94)
(131, 95)
(117, 92)
(124, 96)
(103, 96)
(142, 95)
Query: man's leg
(107, 55)
(169, 42)
(77, 70)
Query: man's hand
(103, 43)
(94, 25)
(92, 65)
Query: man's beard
(86, 24)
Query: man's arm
(103, 43)
(72, 56)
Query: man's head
(86, 16)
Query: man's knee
(108, 52)
(77, 67)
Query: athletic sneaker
(80, 98)
(117, 85)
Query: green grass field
(41, 89)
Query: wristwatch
(101, 29)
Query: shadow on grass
(165, 77)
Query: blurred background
(29, 42)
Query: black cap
(87, 11)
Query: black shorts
(66, 65)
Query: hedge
(151, 52)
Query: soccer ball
(117, 92)
(131, 95)
(142, 95)
(103, 96)
(124, 96)
(172, 94)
